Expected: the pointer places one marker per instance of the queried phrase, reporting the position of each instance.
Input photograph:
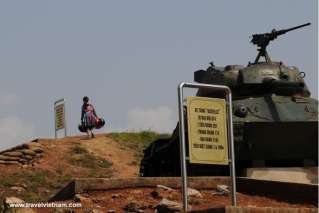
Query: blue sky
(129, 56)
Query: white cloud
(14, 131)
(160, 119)
(8, 99)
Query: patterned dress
(88, 116)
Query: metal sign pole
(55, 130)
(65, 132)
(231, 145)
(182, 137)
(182, 146)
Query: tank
(275, 120)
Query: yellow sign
(207, 130)
(59, 116)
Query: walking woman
(88, 117)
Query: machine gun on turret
(262, 40)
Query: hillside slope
(107, 155)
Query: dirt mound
(62, 160)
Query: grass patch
(82, 158)
(104, 164)
(34, 180)
(78, 150)
(137, 140)
(8, 180)
(60, 181)
(94, 173)
(30, 196)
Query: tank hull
(276, 132)
(278, 141)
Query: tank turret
(258, 77)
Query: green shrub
(137, 140)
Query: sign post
(210, 132)
(59, 116)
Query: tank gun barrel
(280, 32)
(262, 40)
